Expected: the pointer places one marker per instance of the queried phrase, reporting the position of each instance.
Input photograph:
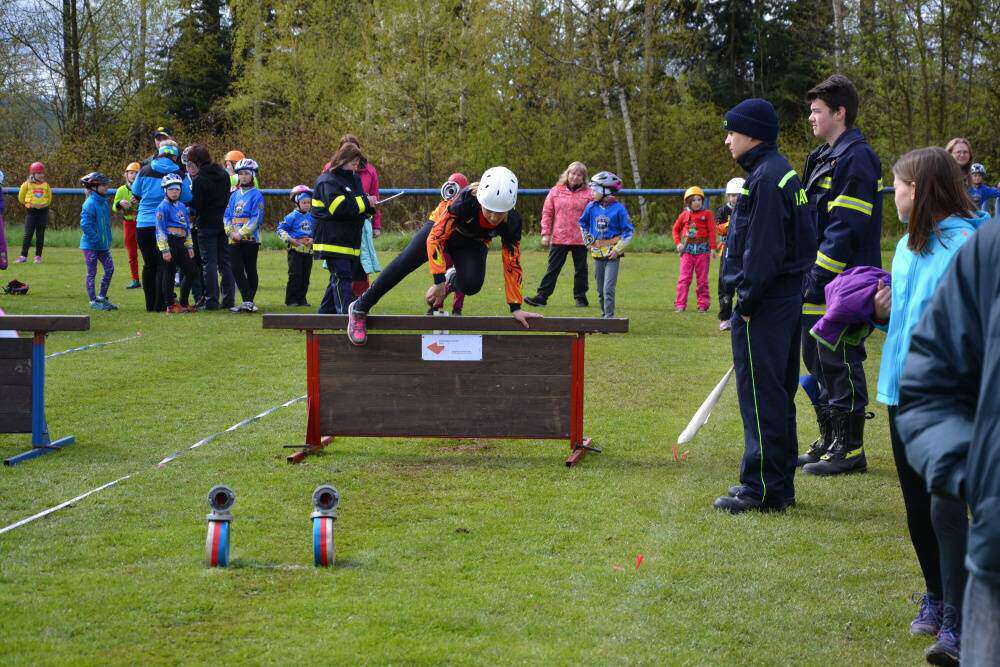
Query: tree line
(638, 87)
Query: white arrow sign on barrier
(440, 347)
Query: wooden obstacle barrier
(22, 380)
(507, 382)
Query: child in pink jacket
(694, 235)
(561, 233)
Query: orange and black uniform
(463, 232)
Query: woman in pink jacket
(561, 233)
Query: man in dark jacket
(843, 181)
(771, 245)
(209, 197)
(949, 420)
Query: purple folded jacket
(850, 306)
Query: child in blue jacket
(242, 221)
(980, 192)
(173, 240)
(296, 230)
(95, 239)
(606, 231)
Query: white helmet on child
(977, 168)
(171, 181)
(497, 191)
(246, 164)
(735, 186)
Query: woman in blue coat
(932, 201)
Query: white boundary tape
(161, 464)
(93, 345)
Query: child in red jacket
(694, 234)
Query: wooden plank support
(427, 323)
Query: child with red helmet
(36, 196)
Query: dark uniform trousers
(766, 361)
(840, 372)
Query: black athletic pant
(557, 258)
(299, 270)
(766, 359)
(243, 259)
(153, 269)
(840, 372)
(179, 259)
(339, 293)
(467, 255)
(35, 222)
(938, 527)
(216, 274)
(198, 284)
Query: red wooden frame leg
(579, 446)
(314, 441)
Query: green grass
(459, 552)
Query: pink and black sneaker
(357, 330)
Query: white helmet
(497, 190)
(246, 164)
(735, 186)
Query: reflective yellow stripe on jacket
(339, 249)
(852, 203)
(830, 264)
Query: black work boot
(821, 444)
(538, 300)
(847, 452)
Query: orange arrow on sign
(436, 348)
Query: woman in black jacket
(209, 197)
(339, 207)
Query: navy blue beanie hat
(755, 118)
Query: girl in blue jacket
(939, 216)
(606, 231)
(242, 221)
(95, 239)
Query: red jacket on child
(695, 228)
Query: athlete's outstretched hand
(435, 295)
(523, 316)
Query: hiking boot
(847, 452)
(537, 301)
(135, 284)
(820, 445)
(947, 650)
(357, 330)
(929, 617)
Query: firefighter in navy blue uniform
(771, 245)
(339, 207)
(843, 183)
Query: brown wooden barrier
(22, 380)
(526, 384)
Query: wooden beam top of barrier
(462, 323)
(45, 322)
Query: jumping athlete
(465, 231)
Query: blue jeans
(981, 623)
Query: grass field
(448, 552)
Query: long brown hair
(351, 139)
(345, 154)
(940, 192)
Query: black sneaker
(744, 502)
(456, 311)
(538, 301)
(582, 303)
